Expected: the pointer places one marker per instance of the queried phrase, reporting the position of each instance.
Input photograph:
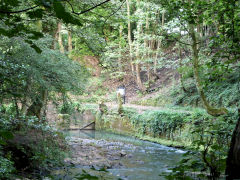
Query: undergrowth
(219, 93)
(206, 137)
(28, 146)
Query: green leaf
(35, 14)
(2, 142)
(11, 2)
(62, 14)
(35, 35)
(6, 135)
(34, 46)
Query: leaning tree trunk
(233, 159)
(211, 110)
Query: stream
(123, 157)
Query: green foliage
(161, 123)
(186, 72)
(219, 93)
(96, 91)
(6, 168)
(83, 42)
(66, 108)
(26, 72)
(4, 136)
(190, 97)
(209, 137)
(186, 168)
(160, 100)
(29, 66)
(11, 12)
(210, 140)
(62, 14)
(43, 148)
(69, 107)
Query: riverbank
(180, 129)
(170, 128)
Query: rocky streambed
(98, 153)
(103, 155)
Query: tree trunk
(43, 111)
(26, 100)
(233, 159)
(138, 69)
(60, 38)
(129, 35)
(120, 49)
(138, 65)
(55, 42)
(211, 110)
(138, 58)
(36, 108)
(16, 107)
(147, 45)
(159, 44)
(70, 47)
(156, 57)
(138, 76)
(180, 64)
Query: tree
(130, 34)
(233, 159)
(27, 75)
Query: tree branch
(19, 11)
(87, 10)
(111, 15)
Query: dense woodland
(70, 52)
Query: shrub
(37, 145)
(160, 123)
(6, 168)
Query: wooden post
(120, 108)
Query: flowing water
(142, 159)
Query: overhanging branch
(87, 10)
(19, 11)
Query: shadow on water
(142, 159)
